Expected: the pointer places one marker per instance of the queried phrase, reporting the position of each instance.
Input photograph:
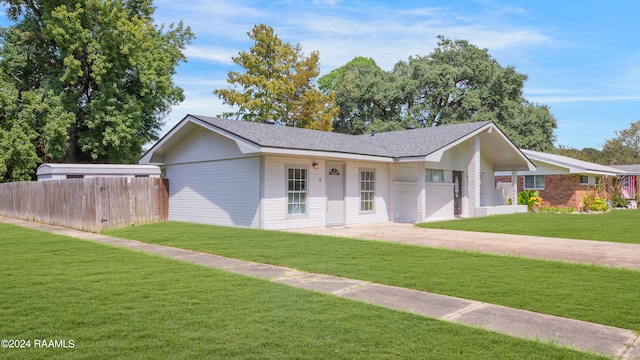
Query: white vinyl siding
(275, 198)
(367, 190)
(297, 180)
(534, 182)
(381, 201)
(439, 204)
(405, 201)
(225, 192)
(546, 169)
(456, 158)
(204, 145)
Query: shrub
(594, 203)
(529, 198)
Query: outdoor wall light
(315, 165)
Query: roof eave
(323, 154)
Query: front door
(457, 193)
(335, 194)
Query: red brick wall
(559, 190)
(563, 191)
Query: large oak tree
(456, 83)
(83, 81)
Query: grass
(120, 304)
(586, 292)
(615, 226)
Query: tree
(456, 83)
(365, 95)
(32, 124)
(586, 154)
(529, 126)
(90, 80)
(278, 84)
(624, 148)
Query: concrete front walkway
(581, 251)
(607, 340)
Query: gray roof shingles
(632, 169)
(404, 143)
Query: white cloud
(211, 53)
(388, 35)
(199, 82)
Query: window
(434, 175)
(367, 190)
(584, 180)
(534, 182)
(296, 191)
(75, 176)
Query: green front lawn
(586, 292)
(616, 226)
(121, 304)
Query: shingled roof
(627, 169)
(394, 144)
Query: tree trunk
(72, 145)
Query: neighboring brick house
(562, 181)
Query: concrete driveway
(579, 251)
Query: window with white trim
(584, 180)
(367, 190)
(433, 175)
(534, 182)
(296, 190)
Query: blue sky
(582, 57)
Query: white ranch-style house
(267, 176)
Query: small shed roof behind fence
(98, 169)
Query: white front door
(335, 194)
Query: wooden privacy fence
(90, 204)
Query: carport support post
(422, 197)
(473, 171)
(514, 188)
